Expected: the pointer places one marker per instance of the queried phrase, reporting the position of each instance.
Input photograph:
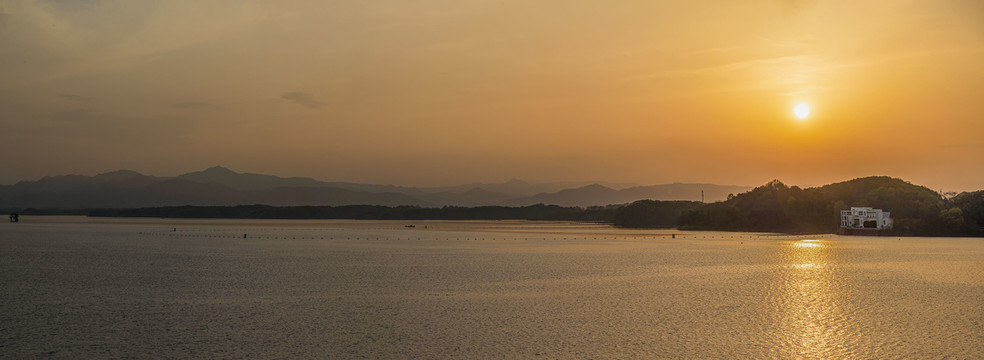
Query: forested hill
(916, 210)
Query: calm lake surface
(76, 287)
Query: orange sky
(446, 92)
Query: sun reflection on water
(808, 243)
(808, 306)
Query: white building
(858, 216)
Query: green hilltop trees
(971, 206)
(652, 213)
(916, 210)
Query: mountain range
(218, 186)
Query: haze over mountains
(217, 186)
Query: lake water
(76, 287)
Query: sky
(435, 92)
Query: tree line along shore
(773, 207)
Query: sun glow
(801, 111)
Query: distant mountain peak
(516, 182)
(595, 187)
(219, 169)
(477, 190)
(119, 174)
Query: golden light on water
(810, 302)
(809, 243)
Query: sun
(802, 111)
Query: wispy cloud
(76, 116)
(304, 99)
(72, 5)
(725, 68)
(78, 98)
(92, 127)
(799, 4)
(962, 146)
(197, 105)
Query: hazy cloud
(76, 115)
(78, 98)
(91, 128)
(73, 4)
(197, 105)
(962, 146)
(799, 4)
(304, 99)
